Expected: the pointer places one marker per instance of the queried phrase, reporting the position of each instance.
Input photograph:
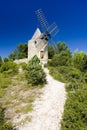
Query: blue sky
(18, 22)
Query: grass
(17, 95)
(27, 108)
(4, 81)
(56, 74)
(2, 92)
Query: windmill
(48, 31)
(38, 45)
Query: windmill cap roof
(36, 34)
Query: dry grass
(18, 99)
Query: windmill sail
(42, 19)
(48, 30)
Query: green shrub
(75, 74)
(72, 86)
(51, 51)
(3, 124)
(70, 73)
(61, 59)
(7, 126)
(35, 73)
(75, 113)
(1, 62)
(6, 59)
(85, 77)
(80, 61)
(9, 67)
(23, 65)
(4, 82)
(55, 73)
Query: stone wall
(21, 61)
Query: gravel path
(48, 109)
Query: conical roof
(36, 34)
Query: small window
(35, 42)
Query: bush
(70, 73)
(9, 67)
(3, 124)
(75, 113)
(72, 86)
(51, 52)
(23, 65)
(55, 73)
(61, 58)
(35, 73)
(85, 77)
(4, 82)
(80, 61)
(6, 59)
(1, 61)
(73, 72)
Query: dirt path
(48, 109)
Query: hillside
(31, 98)
(48, 108)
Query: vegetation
(1, 61)
(3, 124)
(72, 69)
(51, 51)
(15, 92)
(6, 59)
(35, 73)
(68, 68)
(20, 52)
(80, 61)
(62, 47)
(9, 68)
(23, 65)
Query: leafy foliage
(72, 70)
(75, 114)
(80, 60)
(1, 61)
(6, 59)
(61, 59)
(9, 67)
(62, 47)
(20, 52)
(3, 124)
(35, 73)
(23, 65)
(4, 81)
(51, 52)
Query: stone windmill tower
(38, 45)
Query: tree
(35, 73)
(61, 58)
(62, 47)
(51, 51)
(6, 59)
(1, 61)
(20, 52)
(85, 62)
(79, 60)
(12, 55)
